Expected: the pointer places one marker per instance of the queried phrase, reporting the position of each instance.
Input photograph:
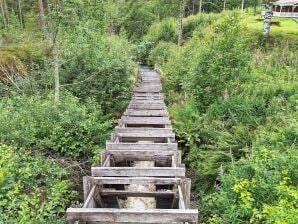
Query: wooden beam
(168, 131)
(138, 171)
(136, 180)
(145, 113)
(145, 135)
(145, 120)
(146, 107)
(89, 202)
(141, 146)
(181, 199)
(160, 194)
(132, 215)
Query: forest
(67, 72)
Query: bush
(33, 189)
(261, 188)
(68, 128)
(100, 68)
(161, 53)
(166, 30)
(221, 64)
(195, 22)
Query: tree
(20, 13)
(3, 13)
(200, 6)
(42, 18)
(180, 23)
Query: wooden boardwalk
(144, 134)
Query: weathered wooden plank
(146, 113)
(147, 101)
(136, 180)
(145, 135)
(89, 202)
(141, 155)
(181, 199)
(145, 120)
(132, 215)
(127, 193)
(154, 131)
(147, 107)
(138, 171)
(143, 146)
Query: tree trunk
(20, 14)
(42, 18)
(56, 67)
(4, 13)
(5, 23)
(242, 7)
(180, 23)
(200, 6)
(267, 20)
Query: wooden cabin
(285, 8)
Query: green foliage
(196, 22)
(166, 30)
(261, 188)
(220, 65)
(100, 68)
(69, 127)
(33, 189)
(161, 52)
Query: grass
(287, 28)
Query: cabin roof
(286, 2)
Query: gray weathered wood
(138, 171)
(126, 193)
(145, 120)
(136, 180)
(145, 113)
(139, 146)
(132, 215)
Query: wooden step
(138, 171)
(145, 120)
(111, 215)
(136, 180)
(145, 113)
(141, 146)
(147, 106)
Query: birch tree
(180, 23)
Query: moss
(19, 59)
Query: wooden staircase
(144, 133)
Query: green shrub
(261, 188)
(195, 22)
(69, 127)
(221, 64)
(161, 53)
(100, 68)
(33, 189)
(165, 30)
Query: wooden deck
(144, 133)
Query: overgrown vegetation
(234, 105)
(232, 99)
